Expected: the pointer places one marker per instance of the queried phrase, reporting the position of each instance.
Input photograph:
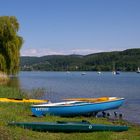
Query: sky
(51, 27)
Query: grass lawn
(21, 112)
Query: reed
(3, 78)
(37, 93)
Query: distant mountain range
(127, 60)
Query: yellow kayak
(101, 99)
(14, 100)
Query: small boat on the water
(115, 73)
(16, 100)
(138, 71)
(99, 72)
(61, 126)
(83, 73)
(77, 107)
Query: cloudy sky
(75, 26)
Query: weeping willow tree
(10, 45)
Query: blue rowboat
(75, 108)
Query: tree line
(127, 60)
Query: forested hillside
(127, 60)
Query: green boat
(60, 126)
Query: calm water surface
(60, 85)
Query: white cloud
(37, 52)
(44, 51)
(85, 51)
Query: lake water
(60, 85)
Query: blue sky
(75, 26)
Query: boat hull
(15, 100)
(68, 126)
(80, 108)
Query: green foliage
(2, 63)
(128, 60)
(10, 44)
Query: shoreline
(12, 112)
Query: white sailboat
(99, 72)
(138, 71)
(83, 73)
(115, 72)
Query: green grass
(21, 112)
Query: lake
(60, 85)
